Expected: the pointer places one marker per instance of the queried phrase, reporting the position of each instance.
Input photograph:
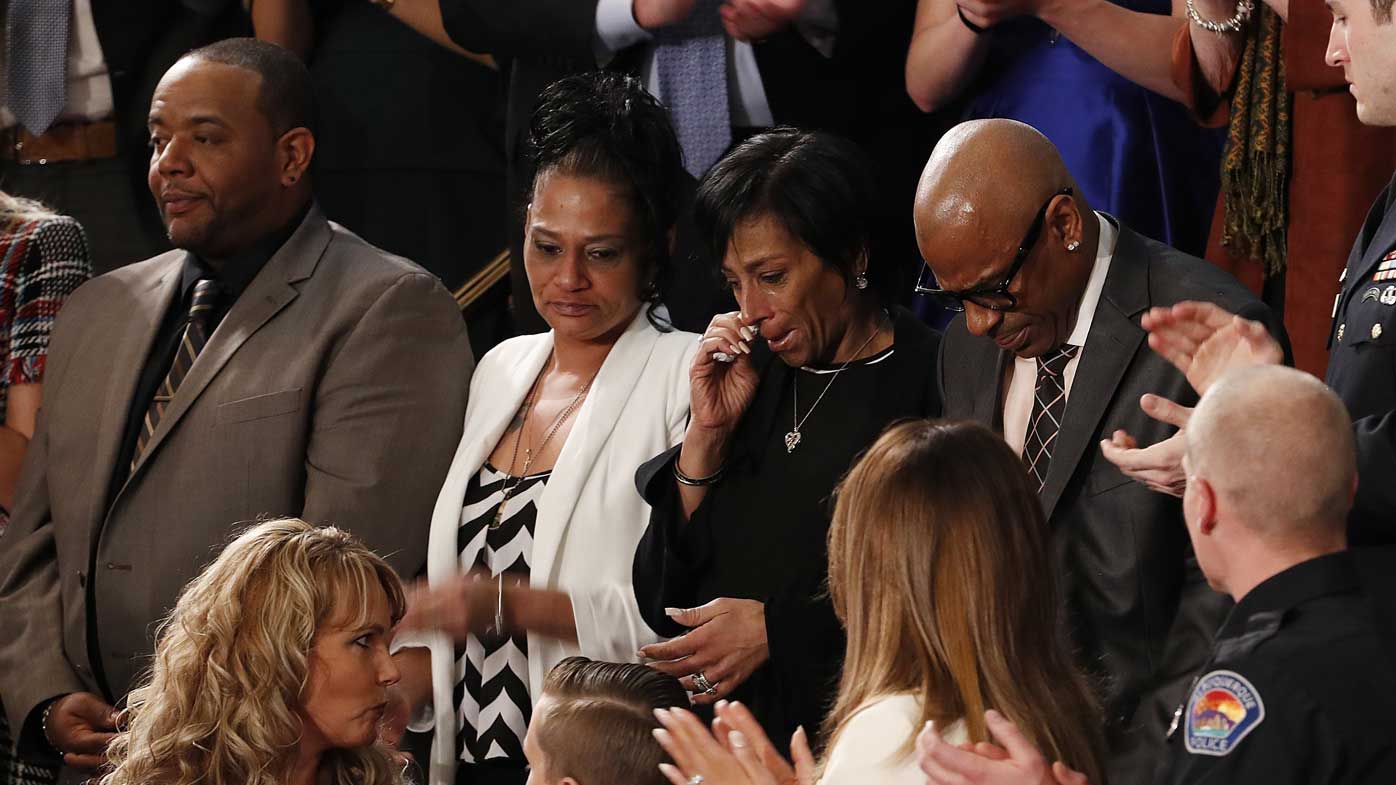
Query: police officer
(1300, 686)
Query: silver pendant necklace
(792, 439)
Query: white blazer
(590, 516)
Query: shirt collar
(1333, 573)
(238, 271)
(1105, 251)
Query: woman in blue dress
(1094, 77)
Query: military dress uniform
(1362, 367)
(1300, 687)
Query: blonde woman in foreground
(273, 669)
(939, 571)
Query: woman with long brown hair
(939, 572)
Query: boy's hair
(599, 726)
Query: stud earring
(1073, 245)
(860, 281)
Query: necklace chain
(792, 439)
(561, 418)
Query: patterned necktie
(37, 52)
(690, 63)
(1048, 405)
(196, 331)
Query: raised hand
(727, 643)
(1205, 341)
(722, 391)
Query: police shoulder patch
(1223, 708)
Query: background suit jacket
(333, 389)
(1140, 611)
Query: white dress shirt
(89, 87)
(616, 29)
(1022, 381)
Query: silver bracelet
(1244, 9)
(43, 726)
(696, 482)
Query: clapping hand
(987, 13)
(1017, 762)
(1158, 466)
(753, 20)
(736, 752)
(458, 606)
(1206, 342)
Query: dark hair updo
(818, 186)
(606, 126)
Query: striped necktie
(36, 33)
(1048, 406)
(196, 331)
(690, 63)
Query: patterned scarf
(1255, 167)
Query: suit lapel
(152, 298)
(268, 293)
(596, 420)
(1113, 340)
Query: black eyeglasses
(995, 298)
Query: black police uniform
(1362, 367)
(1300, 687)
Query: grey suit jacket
(334, 389)
(1141, 614)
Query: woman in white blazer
(940, 572)
(534, 532)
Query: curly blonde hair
(219, 706)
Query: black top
(234, 275)
(1362, 366)
(1300, 686)
(760, 533)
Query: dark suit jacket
(1141, 613)
(1362, 369)
(334, 389)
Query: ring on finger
(704, 686)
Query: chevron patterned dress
(491, 671)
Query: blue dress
(1135, 154)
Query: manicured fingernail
(661, 713)
(737, 738)
(748, 333)
(672, 612)
(660, 734)
(721, 704)
(745, 349)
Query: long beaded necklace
(792, 439)
(561, 418)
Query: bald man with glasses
(1048, 350)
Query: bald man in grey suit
(276, 365)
